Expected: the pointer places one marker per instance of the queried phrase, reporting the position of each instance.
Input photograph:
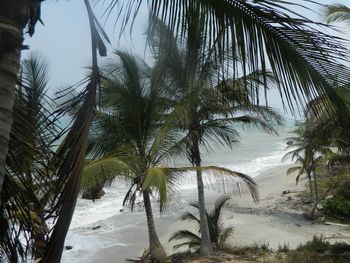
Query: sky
(65, 39)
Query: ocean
(255, 153)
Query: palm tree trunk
(316, 196)
(11, 38)
(206, 246)
(158, 254)
(310, 185)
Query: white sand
(274, 220)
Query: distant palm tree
(218, 233)
(129, 139)
(208, 107)
(307, 151)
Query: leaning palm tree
(208, 106)
(219, 234)
(131, 140)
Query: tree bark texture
(15, 16)
(11, 38)
(158, 254)
(206, 248)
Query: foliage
(314, 251)
(28, 187)
(337, 206)
(262, 33)
(218, 233)
(337, 13)
(305, 257)
(317, 244)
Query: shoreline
(274, 221)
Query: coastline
(274, 220)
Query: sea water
(254, 153)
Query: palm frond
(293, 169)
(192, 239)
(157, 178)
(188, 216)
(103, 171)
(226, 234)
(262, 33)
(337, 13)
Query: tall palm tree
(208, 105)
(131, 114)
(308, 150)
(130, 140)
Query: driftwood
(336, 224)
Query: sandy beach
(276, 220)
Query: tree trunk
(158, 254)
(310, 186)
(11, 38)
(206, 246)
(316, 196)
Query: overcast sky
(65, 39)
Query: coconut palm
(218, 233)
(28, 184)
(131, 140)
(308, 150)
(209, 106)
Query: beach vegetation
(28, 187)
(337, 206)
(132, 139)
(307, 152)
(320, 250)
(219, 234)
(208, 106)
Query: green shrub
(337, 206)
(317, 244)
(285, 248)
(339, 248)
(304, 257)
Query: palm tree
(218, 233)
(131, 114)
(132, 142)
(28, 184)
(308, 150)
(207, 108)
